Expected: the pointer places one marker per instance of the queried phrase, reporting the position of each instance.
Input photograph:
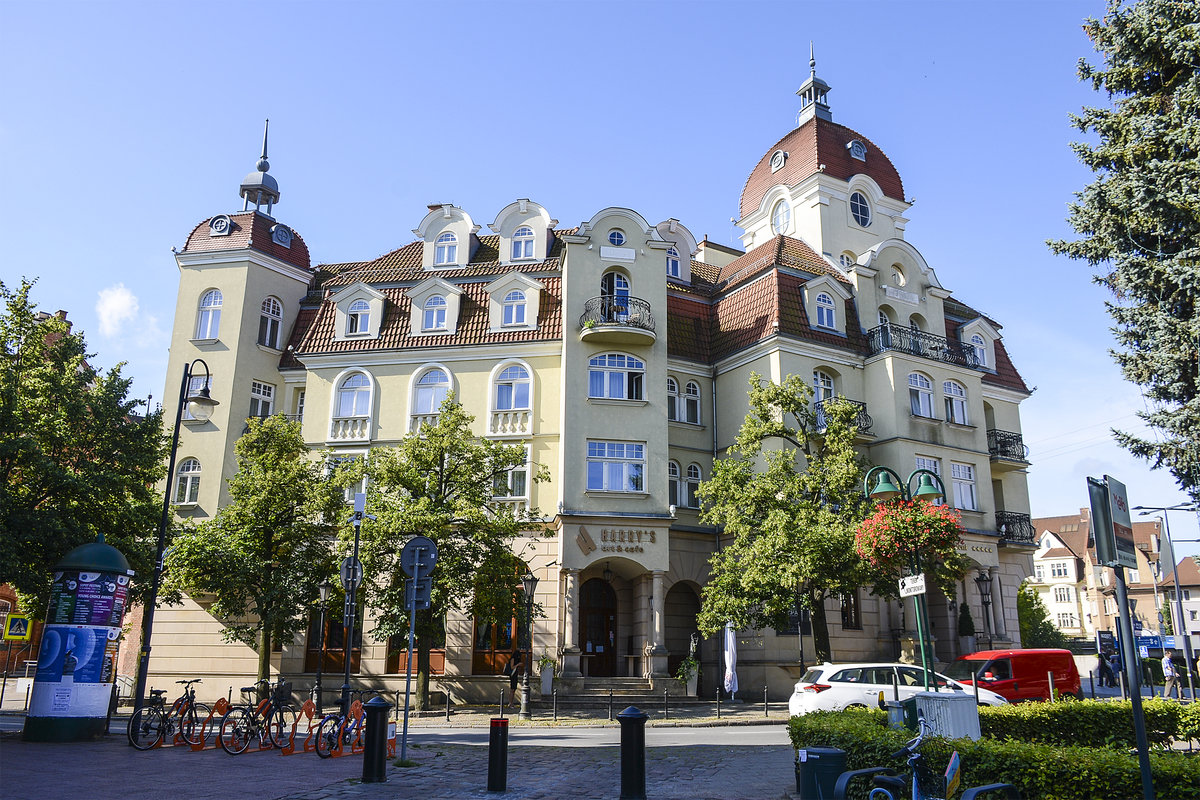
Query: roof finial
(813, 94)
(263, 166)
(812, 60)
(258, 187)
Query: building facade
(618, 351)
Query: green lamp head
(927, 491)
(884, 488)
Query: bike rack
(356, 744)
(211, 725)
(306, 711)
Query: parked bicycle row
(271, 722)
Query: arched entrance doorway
(598, 628)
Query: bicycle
(267, 721)
(151, 724)
(336, 731)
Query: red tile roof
(1189, 573)
(814, 143)
(250, 229)
(779, 251)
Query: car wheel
(855, 705)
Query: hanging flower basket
(903, 531)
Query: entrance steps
(596, 693)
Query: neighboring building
(619, 352)
(1189, 583)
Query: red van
(1018, 675)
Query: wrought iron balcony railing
(629, 312)
(920, 343)
(1006, 444)
(1014, 527)
(862, 420)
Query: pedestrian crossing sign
(17, 628)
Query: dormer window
(672, 262)
(435, 314)
(826, 312)
(514, 308)
(522, 243)
(446, 251)
(358, 317)
(979, 346)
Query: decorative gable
(825, 301)
(513, 302)
(435, 305)
(678, 256)
(526, 232)
(449, 237)
(981, 336)
(358, 312)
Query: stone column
(658, 624)
(570, 657)
(998, 627)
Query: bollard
(610, 699)
(554, 701)
(633, 754)
(28, 689)
(375, 741)
(718, 702)
(447, 705)
(1050, 677)
(501, 704)
(766, 710)
(497, 780)
(1092, 686)
(1121, 677)
(666, 705)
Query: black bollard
(501, 704)
(447, 705)
(766, 708)
(610, 709)
(1050, 678)
(375, 731)
(718, 702)
(554, 701)
(498, 756)
(633, 754)
(666, 704)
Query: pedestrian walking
(1104, 675)
(1170, 676)
(513, 669)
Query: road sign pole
(412, 627)
(360, 505)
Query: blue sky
(123, 125)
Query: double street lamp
(199, 406)
(1182, 628)
(324, 589)
(529, 583)
(930, 489)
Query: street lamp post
(530, 582)
(984, 582)
(200, 406)
(351, 580)
(885, 489)
(1187, 636)
(324, 589)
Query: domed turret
(258, 187)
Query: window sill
(192, 422)
(614, 493)
(962, 426)
(824, 329)
(696, 426)
(923, 419)
(612, 401)
(192, 506)
(199, 342)
(435, 332)
(275, 351)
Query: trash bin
(817, 771)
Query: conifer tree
(1139, 221)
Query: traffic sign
(419, 551)
(17, 628)
(424, 588)
(352, 573)
(912, 585)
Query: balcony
(1015, 528)
(617, 320)
(350, 429)
(900, 339)
(862, 420)
(514, 422)
(1007, 449)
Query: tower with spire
(813, 95)
(258, 187)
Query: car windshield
(963, 670)
(812, 676)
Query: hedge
(1091, 723)
(1037, 770)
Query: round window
(861, 209)
(781, 217)
(616, 237)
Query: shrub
(1086, 723)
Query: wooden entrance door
(598, 628)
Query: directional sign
(352, 572)
(17, 628)
(424, 587)
(912, 585)
(418, 551)
(1118, 499)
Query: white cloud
(115, 306)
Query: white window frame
(980, 347)
(617, 467)
(522, 243)
(1066, 620)
(515, 378)
(359, 395)
(962, 477)
(1134, 576)
(513, 479)
(860, 209)
(1039, 572)
(920, 395)
(781, 217)
(673, 404)
(513, 308)
(208, 317)
(672, 262)
(616, 237)
(1062, 594)
(823, 386)
(826, 311)
(691, 484)
(187, 483)
(445, 249)
(621, 377)
(300, 405)
(955, 396)
(434, 316)
(1058, 569)
(270, 322)
(429, 393)
(691, 403)
(348, 492)
(262, 399)
(358, 318)
(674, 484)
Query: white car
(833, 687)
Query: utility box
(953, 715)
(817, 771)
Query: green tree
(1036, 628)
(76, 461)
(263, 556)
(1139, 221)
(788, 497)
(442, 482)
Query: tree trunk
(264, 658)
(820, 626)
(421, 696)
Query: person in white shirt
(1170, 676)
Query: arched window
(672, 262)
(860, 209)
(781, 217)
(674, 477)
(956, 402)
(846, 259)
(672, 399)
(512, 388)
(920, 395)
(693, 484)
(522, 243)
(615, 377)
(883, 318)
(358, 317)
(514, 308)
(354, 396)
(691, 402)
(432, 389)
(822, 386)
(614, 288)
(209, 320)
(446, 249)
(269, 322)
(980, 348)
(187, 482)
(826, 314)
(435, 314)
